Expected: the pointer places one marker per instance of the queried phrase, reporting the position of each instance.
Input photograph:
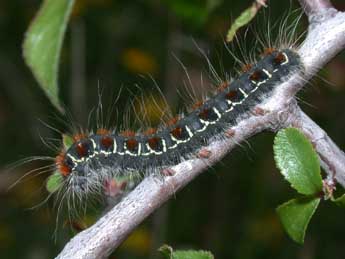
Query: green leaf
(67, 141)
(295, 216)
(54, 182)
(340, 201)
(190, 254)
(169, 253)
(297, 161)
(42, 44)
(245, 17)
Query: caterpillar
(96, 157)
(88, 161)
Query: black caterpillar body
(106, 155)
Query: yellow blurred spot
(138, 242)
(27, 193)
(138, 61)
(79, 224)
(151, 108)
(267, 229)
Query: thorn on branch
(204, 153)
(168, 172)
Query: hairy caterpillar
(88, 161)
(93, 158)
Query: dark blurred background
(229, 210)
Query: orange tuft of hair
(268, 51)
(60, 164)
(172, 121)
(223, 86)
(246, 67)
(150, 131)
(79, 136)
(128, 133)
(197, 105)
(102, 131)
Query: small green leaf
(245, 17)
(54, 182)
(340, 201)
(190, 254)
(67, 141)
(297, 161)
(295, 216)
(42, 44)
(169, 253)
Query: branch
(326, 37)
(315, 6)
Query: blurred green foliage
(228, 210)
(193, 12)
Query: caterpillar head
(74, 174)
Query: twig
(326, 37)
(315, 6)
